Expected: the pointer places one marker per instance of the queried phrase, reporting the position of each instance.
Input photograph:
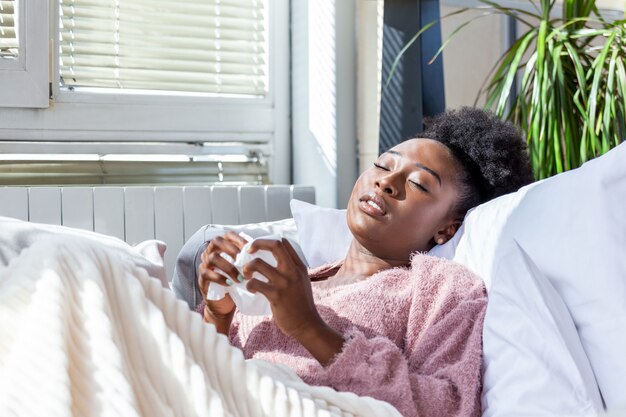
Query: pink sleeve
(438, 372)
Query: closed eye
(381, 167)
(418, 185)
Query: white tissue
(248, 303)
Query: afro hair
(492, 152)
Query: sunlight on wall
(322, 80)
(369, 52)
(324, 98)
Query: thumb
(265, 288)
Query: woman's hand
(291, 298)
(219, 312)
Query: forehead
(421, 149)
(431, 154)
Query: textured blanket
(85, 333)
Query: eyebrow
(424, 167)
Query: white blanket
(85, 333)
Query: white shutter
(201, 46)
(24, 40)
(8, 37)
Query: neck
(360, 263)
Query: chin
(358, 222)
(366, 234)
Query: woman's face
(404, 202)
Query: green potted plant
(571, 97)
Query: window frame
(84, 115)
(24, 81)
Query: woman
(388, 321)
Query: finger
(215, 260)
(235, 239)
(221, 244)
(293, 254)
(218, 245)
(207, 251)
(211, 247)
(254, 286)
(203, 285)
(207, 276)
(259, 265)
(275, 246)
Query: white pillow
(534, 362)
(323, 233)
(18, 235)
(573, 226)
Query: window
(8, 36)
(193, 86)
(23, 53)
(214, 46)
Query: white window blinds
(8, 37)
(201, 46)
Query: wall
(323, 98)
(469, 57)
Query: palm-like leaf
(571, 98)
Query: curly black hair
(492, 152)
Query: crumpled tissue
(250, 304)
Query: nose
(388, 184)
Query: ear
(447, 231)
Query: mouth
(372, 204)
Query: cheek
(361, 183)
(355, 220)
(414, 230)
(357, 191)
(351, 210)
(421, 224)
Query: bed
(551, 256)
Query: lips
(372, 204)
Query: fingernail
(240, 278)
(229, 282)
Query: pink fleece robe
(413, 338)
